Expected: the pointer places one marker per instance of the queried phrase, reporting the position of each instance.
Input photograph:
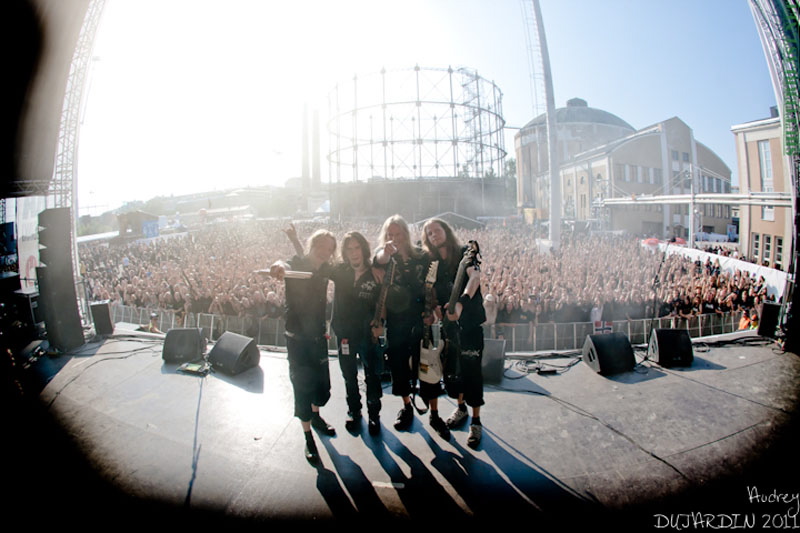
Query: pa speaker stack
(234, 353)
(184, 345)
(768, 321)
(609, 353)
(670, 347)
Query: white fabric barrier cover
(775, 280)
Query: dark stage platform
(117, 437)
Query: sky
(188, 96)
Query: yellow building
(765, 233)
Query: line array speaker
(670, 347)
(609, 353)
(234, 353)
(59, 304)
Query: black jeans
(372, 361)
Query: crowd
(213, 269)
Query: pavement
(112, 435)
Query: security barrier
(525, 337)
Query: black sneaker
(440, 426)
(404, 418)
(374, 426)
(352, 421)
(312, 455)
(318, 423)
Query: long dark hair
(451, 241)
(362, 242)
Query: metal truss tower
(778, 25)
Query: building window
(675, 155)
(686, 156)
(767, 247)
(657, 177)
(756, 241)
(778, 251)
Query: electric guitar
(430, 353)
(376, 325)
(452, 348)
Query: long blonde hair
(411, 250)
(317, 236)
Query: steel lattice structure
(418, 123)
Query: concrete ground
(111, 435)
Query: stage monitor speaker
(101, 316)
(59, 304)
(183, 345)
(609, 353)
(670, 347)
(768, 321)
(493, 364)
(234, 353)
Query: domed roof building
(602, 156)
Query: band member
(306, 299)
(404, 310)
(462, 325)
(354, 301)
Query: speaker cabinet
(768, 321)
(59, 304)
(101, 316)
(182, 345)
(493, 364)
(234, 353)
(670, 347)
(608, 354)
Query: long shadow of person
(334, 495)
(489, 496)
(544, 492)
(368, 504)
(421, 494)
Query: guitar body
(452, 349)
(430, 362)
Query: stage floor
(118, 437)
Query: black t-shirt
(473, 312)
(354, 302)
(306, 299)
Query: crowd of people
(213, 269)
(257, 269)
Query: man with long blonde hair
(404, 308)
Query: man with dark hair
(463, 325)
(354, 302)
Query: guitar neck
(387, 280)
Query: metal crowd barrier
(526, 337)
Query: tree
(510, 168)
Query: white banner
(27, 219)
(775, 280)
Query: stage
(119, 437)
